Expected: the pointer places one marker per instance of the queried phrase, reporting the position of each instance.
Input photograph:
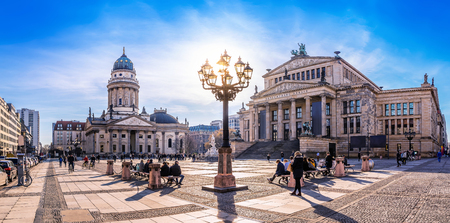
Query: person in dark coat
(328, 162)
(280, 171)
(175, 170)
(165, 170)
(399, 157)
(297, 169)
(282, 156)
(146, 169)
(268, 157)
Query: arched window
(157, 143)
(120, 101)
(170, 143)
(181, 143)
(120, 74)
(115, 75)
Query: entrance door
(286, 131)
(262, 124)
(332, 149)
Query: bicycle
(26, 179)
(92, 165)
(85, 165)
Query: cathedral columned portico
(122, 129)
(337, 102)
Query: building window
(102, 136)
(345, 125)
(328, 128)
(123, 148)
(405, 108)
(170, 143)
(149, 136)
(399, 109)
(69, 126)
(405, 125)
(344, 103)
(351, 125)
(313, 74)
(149, 148)
(307, 75)
(124, 136)
(276, 80)
(280, 79)
(286, 114)
(303, 75)
(323, 72)
(101, 148)
(318, 72)
(411, 108)
(386, 127)
(392, 109)
(358, 106)
(386, 110)
(274, 133)
(114, 148)
(114, 135)
(352, 107)
(411, 124)
(120, 74)
(157, 142)
(399, 126)
(299, 128)
(299, 112)
(358, 124)
(120, 101)
(140, 148)
(132, 76)
(275, 115)
(141, 136)
(327, 111)
(392, 126)
(298, 76)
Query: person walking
(60, 161)
(282, 156)
(114, 157)
(399, 157)
(268, 157)
(439, 155)
(359, 156)
(318, 156)
(65, 161)
(297, 169)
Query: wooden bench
(284, 179)
(169, 179)
(346, 168)
(137, 173)
(310, 173)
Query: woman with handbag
(297, 169)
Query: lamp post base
(212, 188)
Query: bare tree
(190, 144)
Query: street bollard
(339, 170)
(154, 177)
(126, 171)
(110, 167)
(365, 164)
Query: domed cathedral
(122, 129)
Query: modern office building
(31, 120)
(10, 128)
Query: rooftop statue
(301, 51)
(425, 78)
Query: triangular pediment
(298, 62)
(134, 121)
(285, 87)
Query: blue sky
(56, 56)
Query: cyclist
(71, 159)
(60, 161)
(93, 160)
(86, 161)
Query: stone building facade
(338, 101)
(10, 128)
(122, 129)
(67, 134)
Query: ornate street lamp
(410, 135)
(224, 180)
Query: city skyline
(59, 64)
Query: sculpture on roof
(425, 78)
(89, 112)
(432, 81)
(301, 51)
(256, 89)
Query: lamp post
(224, 180)
(410, 135)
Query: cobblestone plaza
(415, 192)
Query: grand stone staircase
(260, 150)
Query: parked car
(15, 160)
(3, 177)
(9, 167)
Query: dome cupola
(123, 62)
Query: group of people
(174, 170)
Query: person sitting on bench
(165, 170)
(345, 161)
(307, 165)
(280, 171)
(328, 162)
(175, 170)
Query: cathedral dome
(161, 116)
(123, 62)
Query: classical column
(163, 142)
(110, 140)
(93, 142)
(120, 141)
(256, 125)
(324, 117)
(137, 141)
(268, 125)
(128, 149)
(279, 124)
(307, 116)
(97, 145)
(250, 128)
(146, 142)
(176, 142)
(292, 120)
(333, 123)
(153, 141)
(401, 127)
